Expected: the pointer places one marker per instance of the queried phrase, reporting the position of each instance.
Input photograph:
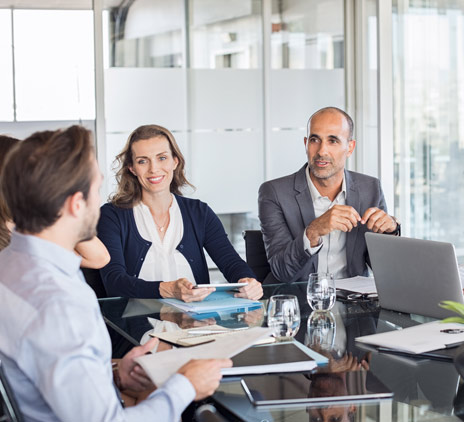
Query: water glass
(283, 316)
(321, 292)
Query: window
(428, 41)
(6, 67)
(54, 65)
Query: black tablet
(313, 389)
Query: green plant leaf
(453, 306)
(456, 319)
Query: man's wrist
(314, 239)
(397, 231)
(116, 377)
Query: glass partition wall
(234, 81)
(428, 63)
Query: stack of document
(160, 366)
(419, 339)
(359, 284)
(216, 301)
(200, 335)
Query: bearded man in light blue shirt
(53, 341)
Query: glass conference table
(424, 389)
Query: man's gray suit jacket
(286, 209)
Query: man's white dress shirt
(331, 249)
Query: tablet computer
(313, 389)
(221, 287)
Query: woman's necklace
(162, 227)
(165, 223)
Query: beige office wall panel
(226, 99)
(139, 96)
(296, 94)
(287, 152)
(227, 170)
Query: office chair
(94, 280)
(256, 256)
(9, 409)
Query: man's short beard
(322, 174)
(89, 231)
(87, 235)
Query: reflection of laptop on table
(414, 275)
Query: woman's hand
(182, 319)
(182, 289)
(253, 290)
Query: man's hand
(339, 217)
(378, 221)
(182, 289)
(131, 375)
(253, 290)
(204, 374)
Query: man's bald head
(348, 119)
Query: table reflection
(430, 384)
(327, 385)
(321, 330)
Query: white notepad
(419, 339)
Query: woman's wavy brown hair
(129, 191)
(6, 145)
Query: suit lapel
(303, 197)
(352, 199)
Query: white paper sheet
(160, 366)
(419, 339)
(188, 338)
(357, 284)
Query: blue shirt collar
(63, 259)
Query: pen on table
(198, 332)
(452, 331)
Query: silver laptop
(414, 275)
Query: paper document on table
(214, 302)
(419, 339)
(200, 335)
(160, 366)
(359, 284)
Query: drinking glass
(321, 291)
(283, 316)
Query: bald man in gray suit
(315, 219)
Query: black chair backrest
(9, 409)
(256, 256)
(94, 280)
